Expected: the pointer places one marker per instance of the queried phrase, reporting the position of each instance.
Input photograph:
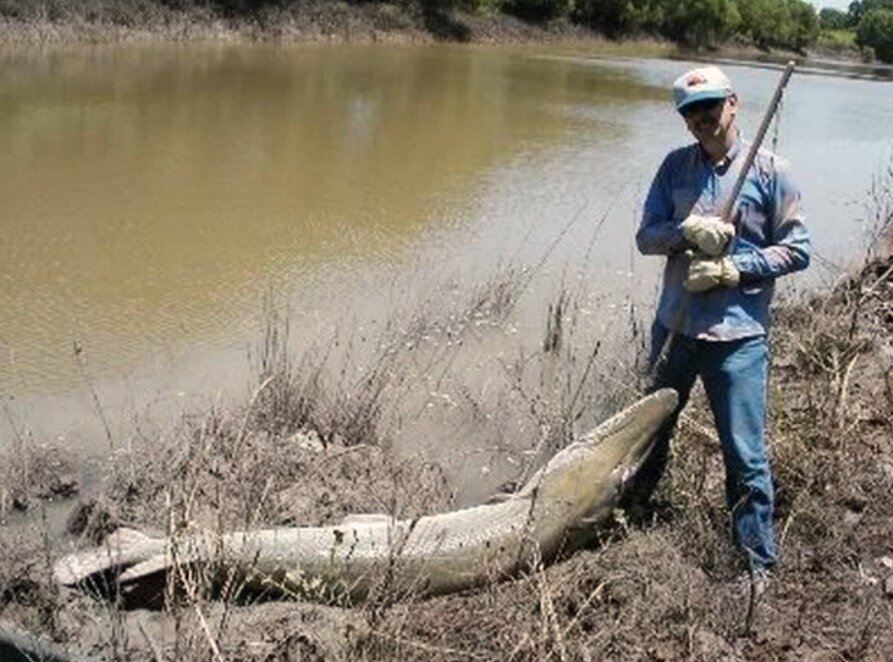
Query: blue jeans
(734, 374)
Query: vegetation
(868, 24)
(875, 30)
(784, 24)
(765, 24)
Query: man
(717, 285)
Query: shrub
(876, 31)
(537, 10)
(833, 19)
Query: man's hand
(709, 233)
(705, 273)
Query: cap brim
(703, 96)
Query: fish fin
(120, 549)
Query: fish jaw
(584, 482)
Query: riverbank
(108, 21)
(61, 23)
(661, 588)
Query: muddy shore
(660, 587)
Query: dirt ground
(664, 587)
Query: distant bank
(104, 21)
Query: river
(158, 201)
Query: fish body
(22, 647)
(434, 554)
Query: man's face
(712, 119)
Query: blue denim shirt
(771, 239)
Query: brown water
(154, 196)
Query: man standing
(717, 285)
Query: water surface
(153, 197)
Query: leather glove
(705, 273)
(709, 233)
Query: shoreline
(829, 424)
(384, 24)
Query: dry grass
(664, 589)
(31, 471)
(317, 439)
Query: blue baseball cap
(699, 85)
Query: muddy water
(154, 197)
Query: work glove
(709, 233)
(705, 273)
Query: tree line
(785, 24)
(788, 24)
(872, 22)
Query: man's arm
(658, 232)
(790, 247)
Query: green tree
(804, 24)
(833, 19)
(620, 17)
(779, 23)
(763, 21)
(702, 22)
(854, 13)
(537, 10)
(606, 15)
(868, 5)
(875, 30)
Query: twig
(844, 388)
(156, 651)
(547, 605)
(82, 364)
(751, 603)
(592, 596)
(428, 647)
(215, 650)
(592, 355)
(239, 438)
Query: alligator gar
(21, 647)
(434, 554)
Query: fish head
(589, 475)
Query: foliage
(804, 24)
(833, 19)
(779, 23)
(789, 24)
(537, 10)
(858, 9)
(876, 31)
(838, 38)
(706, 23)
(618, 17)
(701, 22)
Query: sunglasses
(705, 106)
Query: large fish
(21, 647)
(439, 553)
